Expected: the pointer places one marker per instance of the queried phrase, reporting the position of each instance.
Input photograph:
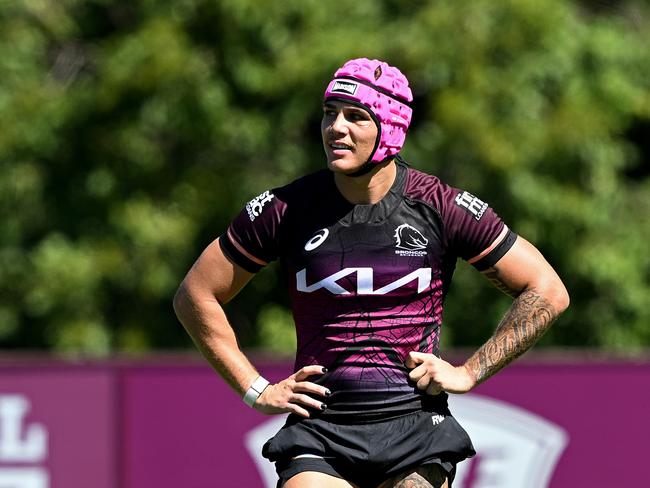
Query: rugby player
(369, 245)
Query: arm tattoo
(526, 321)
(492, 274)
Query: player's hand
(433, 375)
(290, 395)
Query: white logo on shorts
(436, 419)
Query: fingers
(423, 382)
(298, 411)
(429, 385)
(294, 394)
(307, 371)
(417, 373)
(299, 398)
(286, 397)
(307, 386)
(414, 358)
(435, 375)
(297, 402)
(424, 373)
(421, 376)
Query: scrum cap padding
(384, 91)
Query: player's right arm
(212, 281)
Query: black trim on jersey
(397, 98)
(378, 213)
(400, 159)
(496, 253)
(236, 257)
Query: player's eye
(356, 115)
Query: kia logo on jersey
(365, 282)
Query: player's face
(349, 136)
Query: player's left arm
(539, 298)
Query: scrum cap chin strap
(368, 166)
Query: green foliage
(276, 330)
(130, 134)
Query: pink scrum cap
(382, 90)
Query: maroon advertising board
(175, 423)
(58, 427)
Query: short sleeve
(251, 240)
(473, 230)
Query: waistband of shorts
(424, 403)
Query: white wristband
(255, 390)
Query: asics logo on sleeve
(365, 279)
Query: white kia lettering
(365, 279)
(317, 240)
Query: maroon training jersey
(367, 282)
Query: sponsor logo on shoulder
(317, 240)
(410, 241)
(347, 87)
(472, 204)
(256, 205)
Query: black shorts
(367, 454)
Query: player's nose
(339, 124)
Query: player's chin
(342, 165)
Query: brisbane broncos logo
(409, 238)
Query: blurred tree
(131, 133)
